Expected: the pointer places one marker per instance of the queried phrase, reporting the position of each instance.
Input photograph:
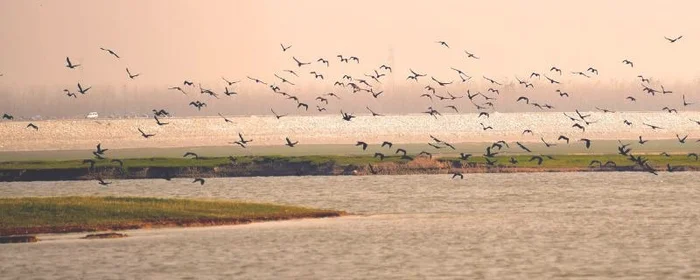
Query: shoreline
(98, 214)
(266, 166)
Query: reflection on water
(502, 226)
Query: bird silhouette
(363, 144)
(457, 174)
(694, 155)
(464, 156)
(102, 182)
(198, 104)
(552, 81)
(158, 121)
(631, 99)
(400, 150)
(99, 149)
(228, 93)
(187, 154)
(587, 142)
(443, 43)
(277, 115)
(547, 144)
(379, 155)
(628, 62)
(144, 135)
(579, 126)
(513, 160)
(71, 65)
(523, 147)
(225, 119)
(70, 94)
(539, 159)
(306, 106)
(374, 114)
(31, 125)
(299, 63)
(491, 80)
(200, 180)
(257, 81)
(642, 142)
(83, 90)
(555, 69)
(653, 127)
(681, 140)
(132, 76)
(324, 62)
(110, 52)
(178, 89)
(685, 103)
(673, 40)
(485, 128)
(592, 70)
(442, 84)
(471, 55)
(290, 143)
(240, 135)
(346, 116)
(230, 83)
(384, 67)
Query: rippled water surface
(498, 226)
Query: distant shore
(34, 215)
(249, 166)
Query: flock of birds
(434, 87)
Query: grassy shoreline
(246, 166)
(35, 215)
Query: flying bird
(628, 62)
(191, 154)
(379, 155)
(673, 40)
(110, 52)
(523, 147)
(102, 182)
(132, 76)
(587, 142)
(32, 126)
(290, 143)
(158, 121)
(284, 49)
(443, 43)
(200, 180)
(225, 119)
(144, 135)
(470, 55)
(71, 65)
(83, 90)
(179, 89)
(363, 144)
(551, 81)
(229, 82)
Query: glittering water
(331, 129)
(497, 226)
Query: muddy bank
(285, 167)
(163, 223)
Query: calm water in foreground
(498, 226)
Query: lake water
(496, 226)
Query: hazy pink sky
(169, 41)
